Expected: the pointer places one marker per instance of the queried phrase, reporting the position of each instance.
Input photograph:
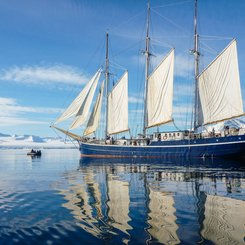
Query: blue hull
(230, 146)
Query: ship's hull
(230, 146)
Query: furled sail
(93, 121)
(78, 101)
(219, 87)
(83, 111)
(160, 92)
(118, 107)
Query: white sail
(160, 92)
(83, 111)
(118, 107)
(219, 87)
(93, 121)
(78, 101)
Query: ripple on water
(61, 199)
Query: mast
(196, 57)
(107, 82)
(147, 59)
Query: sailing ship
(217, 99)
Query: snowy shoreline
(35, 142)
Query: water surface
(60, 198)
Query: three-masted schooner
(217, 98)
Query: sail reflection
(118, 203)
(157, 202)
(162, 217)
(79, 202)
(224, 220)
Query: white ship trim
(170, 146)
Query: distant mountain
(4, 135)
(32, 141)
(30, 138)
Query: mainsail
(219, 87)
(83, 111)
(118, 107)
(78, 101)
(93, 121)
(160, 92)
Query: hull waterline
(231, 146)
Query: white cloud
(183, 89)
(11, 112)
(44, 75)
(133, 99)
(183, 65)
(9, 106)
(13, 121)
(7, 101)
(136, 111)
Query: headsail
(78, 101)
(160, 92)
(219, 87)
(83, 111)
(93, 121)
(118, 107)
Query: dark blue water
(62, 199)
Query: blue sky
(49, 49)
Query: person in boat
(112, 141)
(159, 137)
(107, 141)
(227, 130)
(32, 151)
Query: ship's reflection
(130, 201)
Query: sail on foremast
(219, 87)
(79, 100)
(83, 112)
(94, 119)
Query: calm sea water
(62, 199)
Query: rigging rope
(171, 22)
(125, 22)
(205, 37)
(172, 4)
(65, 138)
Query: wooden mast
(107, 83)
(196, 57)
(147, 59)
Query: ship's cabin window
(177, 134)
(174, 134)
(166, 135)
